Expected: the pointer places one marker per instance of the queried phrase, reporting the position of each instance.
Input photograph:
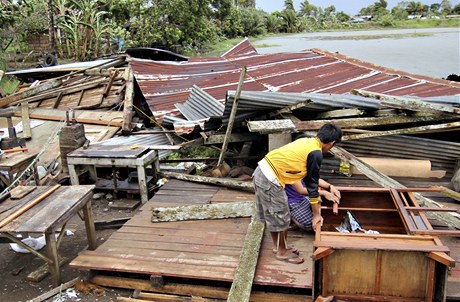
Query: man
(300, 159)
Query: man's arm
(314, 160)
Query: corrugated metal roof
(314, 71)
(140, 140)
(442, 154)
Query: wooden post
(232, 116)
(128, 102)
(26, 132)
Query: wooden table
(16, 162)
(114, 156)
(48, 217)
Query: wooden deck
(203, 250)
(206, 250)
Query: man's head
(329, 134)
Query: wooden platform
(202, 251)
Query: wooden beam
(26, 133)
(234, 138)
(406, 103)
(231, 119)
(388, 182)
(229, 183)
(204, 211)
(449, 193)
(341, 113)
(128, 111)
(272, 126)
(363, 122)
(246, 269)
(193, 289)
(411, 130)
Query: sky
(350, 7)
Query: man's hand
(332, 197)
(335, 191)
(317, 219)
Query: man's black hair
(330, 133)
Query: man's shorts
(301, 212)
(271, 203)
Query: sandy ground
(15, 266)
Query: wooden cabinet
(405, 261)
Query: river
(429, 51)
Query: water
(430, 51)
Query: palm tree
(289, 20)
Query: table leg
(89, 225)
(142, 183)
(52, 252)
(73, 175)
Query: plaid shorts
(301, 212)
(271, 203)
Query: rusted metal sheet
(166, 83)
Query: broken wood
(411, 130)
(109, 84)
(193, 289)
(340, 113)
(21, 191)
(204, 211)
(43, 271)
(363, 122)
(30, 92)
(406, 103)
(55, 291)
(28, 206)
(229, 183)
(387, 182)
(231, 119)
(449, 193)
(240, 290)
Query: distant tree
(289, 18)
(246, 3)
(446, 7)
(273, 23)
(306, 9)
(342, 17)
(399, 13)
(435, 7)
(252, 21)
(414, 8)
(289, 4)
(456, 9)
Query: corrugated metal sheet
(442, 154)
(313, 71)
(141, 140)
(200, 105)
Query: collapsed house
(248, 103)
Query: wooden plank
(21, 191)
(213, 180)
(273, 126)
(205, 211)
(193, 290)
(442, 258)
(240, 290)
